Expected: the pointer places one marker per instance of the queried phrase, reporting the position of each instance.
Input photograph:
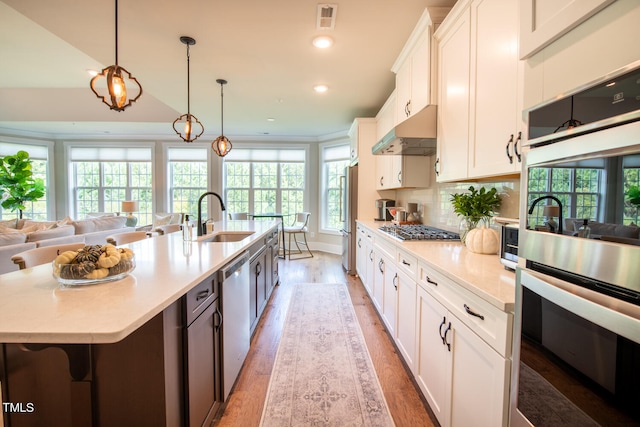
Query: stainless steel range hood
(416, 136)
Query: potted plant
(17, 183)
(474, 207)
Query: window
(187, 179)
(104, 177)
(335, 160)
(265, 181)
(579, 190)
(39, 155)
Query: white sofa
(19, 235)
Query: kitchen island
(112, 352)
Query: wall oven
(576, 347)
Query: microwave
(509, 245)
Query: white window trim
(321, 186)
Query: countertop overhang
(35, 308)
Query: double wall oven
(577, 325)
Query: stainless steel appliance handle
(234, 266)
(618, 316)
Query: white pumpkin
(483, 240)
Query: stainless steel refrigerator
(349, 211)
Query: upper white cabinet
(386, 117)
(413, 66)
(362, 135)
(544, 21)
(496, 125)
(454, 46)
(396, 171)
(479, 95)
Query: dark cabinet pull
(515, 147)
(202, 295)
(395, 281)
(431, 281)
(435, 166)
(371, 255)
(507, 148)
(217, 327)
(444, 321)
(382, 181)
(360, 242)
(258, 268)
(473, 313)
(400, 177)
(406, 263)
(381, 265)
(446, 332)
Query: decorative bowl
(80, 274)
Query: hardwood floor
(244, 406)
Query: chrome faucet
(202, 227)
(535, 202)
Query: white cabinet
(413, 78)
(397, 171)
(480, 86)
(454, 48)
(496, 125)
(464, 379)
(384, 172)
(386, 117)
(362, 136)
(406, 317)
(363, 255)
(543, 21)
(390, 301)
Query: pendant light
(117, 80)
(188, 121)
(221, 145)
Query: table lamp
(130, 206)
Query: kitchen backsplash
(435, 204)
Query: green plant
(477, 204)
(633, 195)
(17, 182)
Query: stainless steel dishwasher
(234, 278)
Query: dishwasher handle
(234, 266)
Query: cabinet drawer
(407, 263)
(385, 248)
(488, 322)
(199, 298)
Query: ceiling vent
(326, 16)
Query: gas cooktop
(418, 232)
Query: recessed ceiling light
(323, 42)
(271, 119)
(321, 88)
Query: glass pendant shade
(190, 127)
(114, 83)
(221, 145)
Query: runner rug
(323, 374)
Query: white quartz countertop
(35, 308)
(482, 275)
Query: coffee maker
(383, 213)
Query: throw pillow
(51, 233)
(8, 223)
(7, 239)
(42, 225)
(159, 220)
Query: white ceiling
(263, 48)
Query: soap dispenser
(584, 231)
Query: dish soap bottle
(584, 231)
(187, 230)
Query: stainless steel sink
(226, 236)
